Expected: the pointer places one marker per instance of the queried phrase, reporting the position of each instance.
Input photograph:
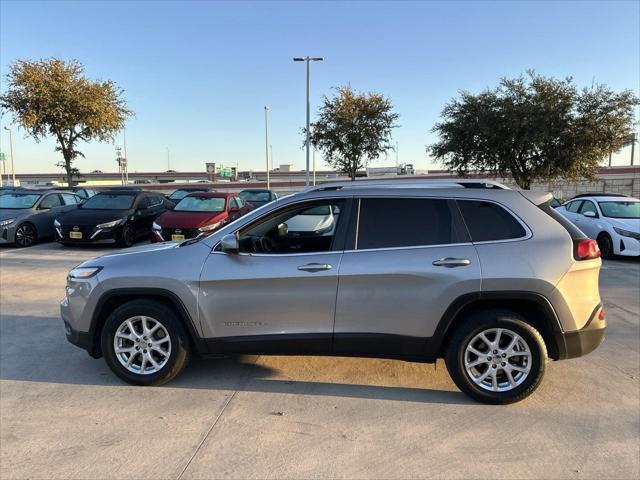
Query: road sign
(3, 157)
(211, 168)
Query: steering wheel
(263, 245)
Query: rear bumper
(586, 340)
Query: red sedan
(199, 213)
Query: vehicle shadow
(54, 360)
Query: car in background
(82, 192)
(9, 189)
(27, 215)
(180, 193)
(258, 197)
(612, 220)
(555, 203)
(199, 213)
(122, 216)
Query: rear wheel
(126, 236)
(605, 244)
(496, 357)
(26, 235)
(144, 343)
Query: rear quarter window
(488, 221)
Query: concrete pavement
(64, 415)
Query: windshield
(17, 200)
(255, 196)
(106, 201)
(200, 204)
(620, 209)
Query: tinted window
(404, 222)
(573, 206)
(487, 221)
(51, 201)
(588, 206)
(233, 203)
(145, 202)
(107, 201)
(16, 200)
(69, 199)
(253, 196)
(200, 204)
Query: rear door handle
(315, 267)
(450, 262)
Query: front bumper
(626, 246)
(8, 234)
(89, 235)
(581, 342)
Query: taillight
(587, 249)
(601, 315)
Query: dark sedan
(123, 216)
(258, 197)
(180, 193)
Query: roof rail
(412, 183)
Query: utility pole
(13, 165)
(314, 165)
(308, 60)
(168, 160)
(266, 142)
(126, 159)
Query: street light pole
(13, 166)
(266, 142)
(168, 160)
(126, 159)
(308, 60)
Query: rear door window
(573, 206)
(51, 201)
(69, 199)
(488, 221)
(588, 206)
(404, 222)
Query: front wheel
(496, 357)
(25, 235)
(144, 343)
(126, 236)
(605, 244)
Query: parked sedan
(612, 220)
(27, 215)
(198, 214)
(180, 193)
(82, 192)
(121, 216)
(258, 197)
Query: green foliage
(353, 128)
(52, 97)
(534, 128)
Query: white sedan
(612, 220)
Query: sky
(198, 74)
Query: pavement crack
(215, 422)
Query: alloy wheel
(142, 345)
(497, 360)
(25, 235)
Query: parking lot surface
(65, 415)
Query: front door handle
(315, 267)
(450, 262)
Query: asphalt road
(64, 415)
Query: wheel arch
(533, 307)
(111, 299)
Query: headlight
(84, 272)
(627, 233)
(155, 226)
(213, 226)
(6, 222)
(111, 224)
(56, 223)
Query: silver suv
(491, 279)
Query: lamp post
(266, 142)
(308, 60)
(13, 166)
(168, 160)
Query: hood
(631, 224)
(150, 247)
(14, 213)
(87, 217)
(173, 219)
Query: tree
(353, 128)
(52, 97)
(534, 128)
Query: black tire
(180, 350)
(467, 331)
(605, 244)
(126, 236)
(26, 235)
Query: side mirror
(590, 214)
(234, 210)
(229, 243)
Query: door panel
(270, 295)
(391, 300)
